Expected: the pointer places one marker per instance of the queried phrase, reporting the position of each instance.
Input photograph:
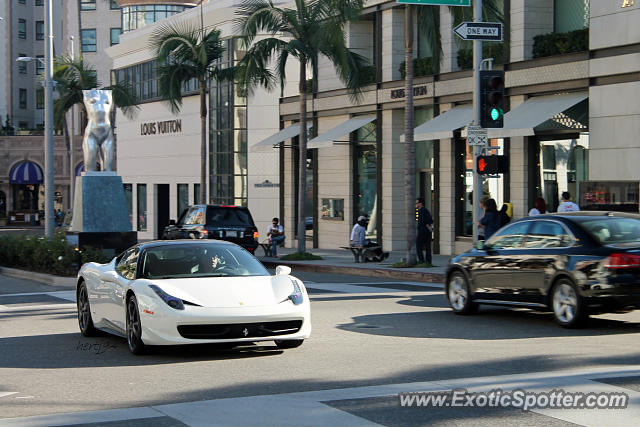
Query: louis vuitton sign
(166, 126)
(400, 93)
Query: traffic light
(491, 98)
(492, 165)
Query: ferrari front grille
(240, 330)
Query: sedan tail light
(622, 260)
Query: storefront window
(183, 198)
(570, 15)
(128, 195)
(563, 164)
(228, 138)
(134, 17)
(142, 207)
(366, 169)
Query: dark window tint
(218, 216)
(199, 260)
(609, 230)
(509, 237)
(547, 234)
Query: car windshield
(611, 231)
(206, 259)
(228, 216)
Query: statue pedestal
(100, 214)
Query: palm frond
(124, 97)
(256, 16)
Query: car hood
(226, 292)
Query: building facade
(572, 89)
(158, 153)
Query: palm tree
(188, 53)
(71, 77)
(313, 28)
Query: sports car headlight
(296, 296)
(171, 301)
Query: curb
(415, 276)
(47, 279)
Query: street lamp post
(72, 171)
(48, 122)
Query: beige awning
(329, 137)
(522, 120)
(442, 126)
(274, 140)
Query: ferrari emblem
(245, 332)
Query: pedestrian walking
(490, 222)
(423, 236)
(567, 205)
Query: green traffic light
(495, 113)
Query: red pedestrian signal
(492, 165)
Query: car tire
(134, 328)
(288, 343)
(567, 306)
(85, 322)
(459, 295)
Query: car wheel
(568, 308)
(288, 343)
(134, 327)
(459, 295)
(84, 312)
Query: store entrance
(162, 208)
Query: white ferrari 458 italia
(190, 292)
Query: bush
(489, 50)
(368, 75)
(421, 67)
(297, 256)
(52, 256)
(560, 43)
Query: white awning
(522, 120)
(442, 126)
(344, 128)
(275, 139)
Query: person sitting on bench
(275, 232)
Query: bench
(364, 253)
(266, 247)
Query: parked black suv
(231, 223)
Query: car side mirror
(172, 222)
(108, 276)
(282, 270)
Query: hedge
(560, 43)
(52, 256)
(421, 67)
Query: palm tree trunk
(302, 160)
(203, 141)
(409, 149)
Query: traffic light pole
(477, 150)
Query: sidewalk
(341, 261)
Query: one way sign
(479, 31)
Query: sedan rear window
(610, 231)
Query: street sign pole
(477, 150)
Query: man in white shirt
(275, 232)
(566, 205)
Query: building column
(392, 43)
(519, 169)
(289, 190)
(393, 217)
(449, 43)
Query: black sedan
(573, 264)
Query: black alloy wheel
(134, 328)
(288, 343)
(459, 294)
(84, 312)
(568, 309)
